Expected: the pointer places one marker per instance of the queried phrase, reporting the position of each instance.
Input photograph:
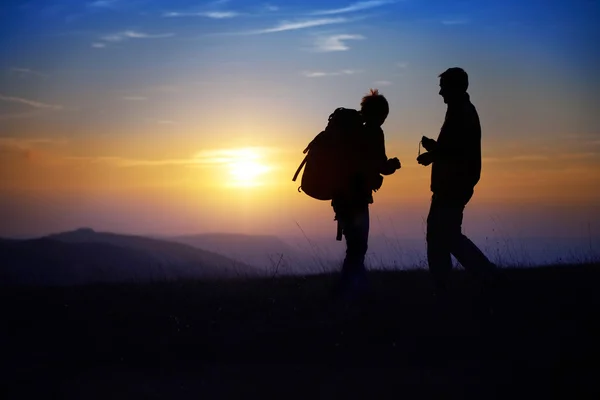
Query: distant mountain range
(85, 256)
(264, 251)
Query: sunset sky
(155, 116)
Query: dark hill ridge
(163, 251)
(51, 262)
(85, 256)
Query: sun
(246, 172)
(237, 167)
(246, 168)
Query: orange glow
(249, 188)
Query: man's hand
(394, 162)
(428, 144)
(425, 159)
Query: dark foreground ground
(285, 338)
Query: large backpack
(329, 159)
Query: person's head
(374, 108)
(454, 83)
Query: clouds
(214, 10)
(207, 14)
(34, 108)
(271, 8)
(127, 35)
(382, 83)
(130, 162)
(27, 149)
(311, 19)
(24, 72)
(455, 21)
(211, 10)
(31, 103)
(300, 24)
(544, 158)
(103, 4)
(579, 156)
(325, 44)
(206, 158)
(227, 156)
(321, 74)
(130, 34)
(359, 6)
(530, 157)
(29, 143)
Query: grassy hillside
(287, 338)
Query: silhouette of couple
(455, 159)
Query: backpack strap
(300, 167)
(305, 158)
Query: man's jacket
(456, 165)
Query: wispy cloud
(359, 6)
(134, 98)
(205, 158)
(227, 156)
(31, 103)
(335, 42)
(29, 149)
(300, 24)
(382, 83)
(29, 143)
(455, 21)
(98, 45)
(320, 74)
(530, 157)
(577, 156)
(127, 162)
(28, 72)
(213, 10)
(402, 65)
(491, 159)
(271, 8)
(289, 25)
(121, 36)
(544, 157)
(103, 3)
(206, 14)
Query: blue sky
(135, 42)
(337, 45)
(153, 82)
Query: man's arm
(384, 165)
(464, 131)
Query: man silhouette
(351, 209)
(456, 169)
